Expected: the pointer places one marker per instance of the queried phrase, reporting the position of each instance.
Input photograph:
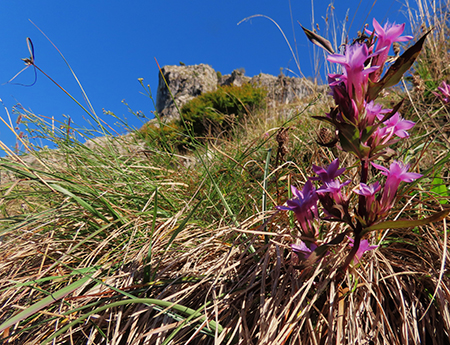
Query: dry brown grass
(257, 298)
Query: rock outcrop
(187, 82)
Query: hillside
(312, 215)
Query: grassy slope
(146, 245)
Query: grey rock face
(185, 83)
(283, 89)
(236, 78)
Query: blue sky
(110, 44)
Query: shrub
(211, 110)
(208, 114)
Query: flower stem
(364, 176)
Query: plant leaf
(43, 303)
(396, 71)
(349, 138)
(318, 40)
(398, 224)
(324, 119)
(440, 189)
(80, 201)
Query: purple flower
(363, 247)
(334, 188)
(396, 125)
(387, 35)
(304, 206)
(328, 174)
(396, 173)
(374, 111)
(302, 250)
(355, 74)
(368, 192)
(444, 92)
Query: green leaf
(324, 119)
(147, 301)
(79, 200)
(396, 71)
(398, 224)
(367, 132)
(440, 189)
(43, 303)
(349, 138)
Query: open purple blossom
(444, 92)
(355, 74)
(387, 35)
(302, 250)
(334, 188)
(328, 174)
(368, 191)
(398, 125)
(395, 125)
(304, 206)
(397, 172)
(375, 111)
(364, 246)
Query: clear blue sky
(110, 44)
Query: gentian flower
(355, 74)
(444, 94)
(374, 111)
(387, 35)
(341, 97)
(302, 250)
(334, 188)
(396, 173)
(372, 205)
(368, 191)
(328, 174)
(304, 206)
(396, 125)
(363, 247)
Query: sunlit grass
(117, 240)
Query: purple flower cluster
(365, 129)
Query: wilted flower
(396, 173)
(364, 246)
(304, 206)
(444, 92)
